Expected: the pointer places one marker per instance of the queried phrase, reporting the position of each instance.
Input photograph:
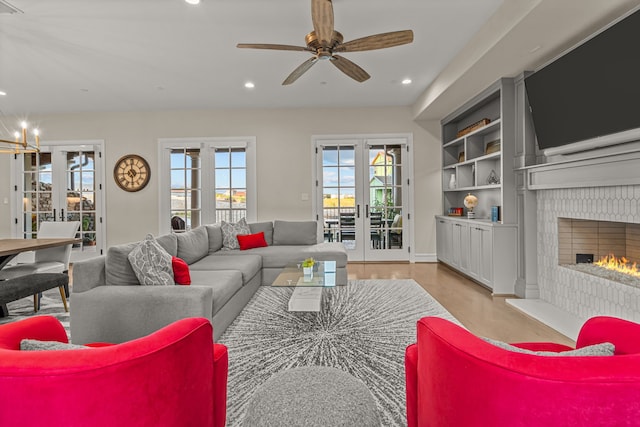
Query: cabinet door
(475, 252)
(464, 247)
(455, 245)
(443, 240)
(486, 257)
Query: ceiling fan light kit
(324, 42)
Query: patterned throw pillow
(602, 349)
(230, 232)
(37, 345)
(151, 263)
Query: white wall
(283, 149)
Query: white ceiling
(134, 55)
(125, 55)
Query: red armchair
(173, 377)
(454, 378)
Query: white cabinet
(480, 249)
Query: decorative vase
(307, 271)
(452, 181)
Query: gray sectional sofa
(110, 305)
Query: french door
(61, 183)
(362, 196)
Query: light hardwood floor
(468, 301)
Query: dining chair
(50, 260)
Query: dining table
(9, 248)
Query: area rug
(50, 304)
(363, 329)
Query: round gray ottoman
(312, 396)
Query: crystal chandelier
(21, 144)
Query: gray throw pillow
(295, 232)
(230, 233)
(37, 345)
(151, 263)
(193, 245)
(603, 349)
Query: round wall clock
(131, 172)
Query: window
(206, 181)
(231, 184)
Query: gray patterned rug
(363, 328)
(50, 304)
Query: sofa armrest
(121, 313)
(220, 373)
(411, 382)
(42, 328)
(88, 274)
(623, 334)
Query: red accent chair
(173, 377)
(454, 378)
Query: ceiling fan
(324, 42)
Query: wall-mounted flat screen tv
(591, 91)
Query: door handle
(366, 211)
(61, 214)
(357, 211)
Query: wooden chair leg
(64, 298)
(35, 303)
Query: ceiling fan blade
(302, 68)
(378, 41)
(322, 17)
(272, 46)
(349, 68)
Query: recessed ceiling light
(3, 93)
(249, 85)
(406, 82)
(193, 1)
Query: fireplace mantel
(600, 171)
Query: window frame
(207, 146)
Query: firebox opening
(603, 248)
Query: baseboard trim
(425, 258)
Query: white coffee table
(307, 292)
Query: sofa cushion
(224, 283)
(151, 263)
(295, 233)
(250, 241)
(214, 232)
(279, 256)
(603, 349)
(193, 244)
(229, 232)
(266, 227)
(248, 264)
(180, 271)
(169, 242)
(118, 270)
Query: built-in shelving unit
(481, 162)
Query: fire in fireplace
(603, 248)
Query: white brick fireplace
(584, 189)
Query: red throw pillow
(180, 271)
(250, 241)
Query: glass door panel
(385, 200)
(340, 209)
